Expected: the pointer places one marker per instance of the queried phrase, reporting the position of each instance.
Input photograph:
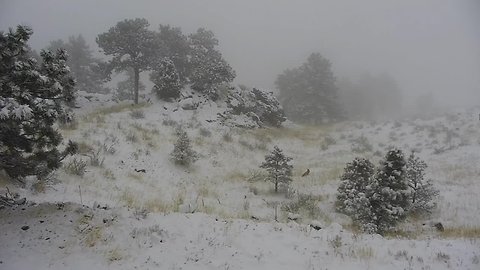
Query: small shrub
(183, 154)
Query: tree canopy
(89, 72)
(32, 97)
(131, 45)
(308, 93)
(208, 68)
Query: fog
(429, 46)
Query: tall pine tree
(132, 46)
(309, 93)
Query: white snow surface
(217, 214)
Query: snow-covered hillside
(133, 208)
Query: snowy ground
(219, 215)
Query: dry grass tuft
(461, 232)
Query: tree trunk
(136, 80)
(276, 187)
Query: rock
(25, 227)
(188, 104)
(293, 217)
(21, 201)
(317, 225)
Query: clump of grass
(76, 167)
(113, 109)
(157, 205)
(336, 244)
(108, 174)
(129, 198)
(131, 137)
(400, 234)
(137, 114)
(96, 157)
(461, 232)
(227, 137)
(169, 122)
(257, 176)
(135, 176)
(84, 148)
(114, 255)
(68, 125)
(93, 236)
(304, 203)
(441, 256)
(364, 253)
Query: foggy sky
(426, 45)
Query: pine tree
(166, 79)
(89, 73)
(422, 192)
(177, 49)
(183, 154)
(263, 107)
(390, 201)
(309, 93)
(132, 46)
(208, 68)
(32, 98)
(355, 191)
(279, 171)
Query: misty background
(429, 47)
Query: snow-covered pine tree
(355, 191)
(177, 49)
(390, 201)
(183, 154)
(32, 97)
(208, 69)
(166, 80)
(279, 171)
(257, 104)
(422, 192)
